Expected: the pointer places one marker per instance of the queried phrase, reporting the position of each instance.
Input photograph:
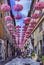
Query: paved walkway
(21, 61)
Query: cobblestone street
(22, 61)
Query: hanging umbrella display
(35, 16)
(8, 18)
(39, 5)
(18, 16)
(18, 7)
(5, 7)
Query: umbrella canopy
(8, 18)
(35, 16)
(28, 32)
(5, 7)
(18, 16)
(27, 20)
(17, 26)
(33, 23)
(18, 7)
(24, 26)
(10, 25)
(39, 5)
(12, 32)
(10, 28)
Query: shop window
(40, 27)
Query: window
(40, 27)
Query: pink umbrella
(28, 32)
(10, 28)
(17, 0)
(9, 25)
(18, 16)
(26, 22)
(13, 36)
(29, 29)
(17, 26)
(24, 26)
(27, 36)
(18, 7)
(35, 16)
(5, 7)
(32, 24)
(24, 29)
(27, 19)
(8, 18)
(18, 32)
(39, 5)
(11, 32)
(17, 29)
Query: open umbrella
(17, 26)
(35, 16)
(10, 25)
(18, 7)
(8, 18)
(39, 5)
(18, 16)
(5, 7)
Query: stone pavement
(22, 61)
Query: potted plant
(42, 59)
(33, 55)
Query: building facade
(7, 46)
(37, 35)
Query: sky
(26, 7)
